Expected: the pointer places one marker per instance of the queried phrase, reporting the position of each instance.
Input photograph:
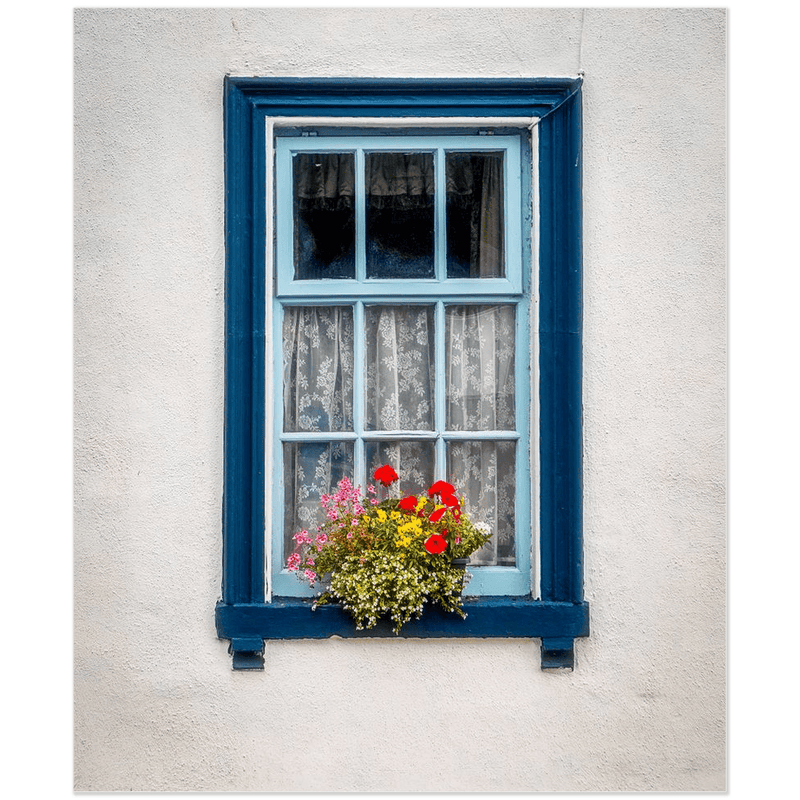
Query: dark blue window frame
(559, 615)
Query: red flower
(450, 500)
(441, 487)
(435, 543)
(437, 515)
(408, 503)
(385, 475)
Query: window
(386, 242)
(400, 331)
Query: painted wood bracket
(247, 653)
(558, 653)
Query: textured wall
(157, 706)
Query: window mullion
(361, 216)
(440, 389)
(359, 390)
(440, 196)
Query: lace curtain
(400, 395)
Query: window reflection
(324, 215)
(400, 215)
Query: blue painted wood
(406, 97)
(243, 614)
(241, 405)
(560, 360)
(248, 653)
(487, 617)
(558, 652)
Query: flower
(385, 475)
(408, 503)
(435, 543)
(377, 554)
(293, 562)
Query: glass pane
(414, 462)
(400, 212)
(310, 469)
(479, 361)
(484, 475)
(400, 367)
(475, 227)
(324, 215)
(318, 368)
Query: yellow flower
(381, 514)
(413, 527)
(394, 515)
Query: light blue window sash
(439, 292)
(286, 147)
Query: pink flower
(322, 538)
(293, 562)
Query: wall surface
(157, 706)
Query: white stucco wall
(157, 706)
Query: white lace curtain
(400, 395)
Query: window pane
(400, 212)
(475, 227)
(324, 215)
(484, 475)
(400, 367)
(318, 368)
(480, 367)
(414, 462)
(310, 470)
